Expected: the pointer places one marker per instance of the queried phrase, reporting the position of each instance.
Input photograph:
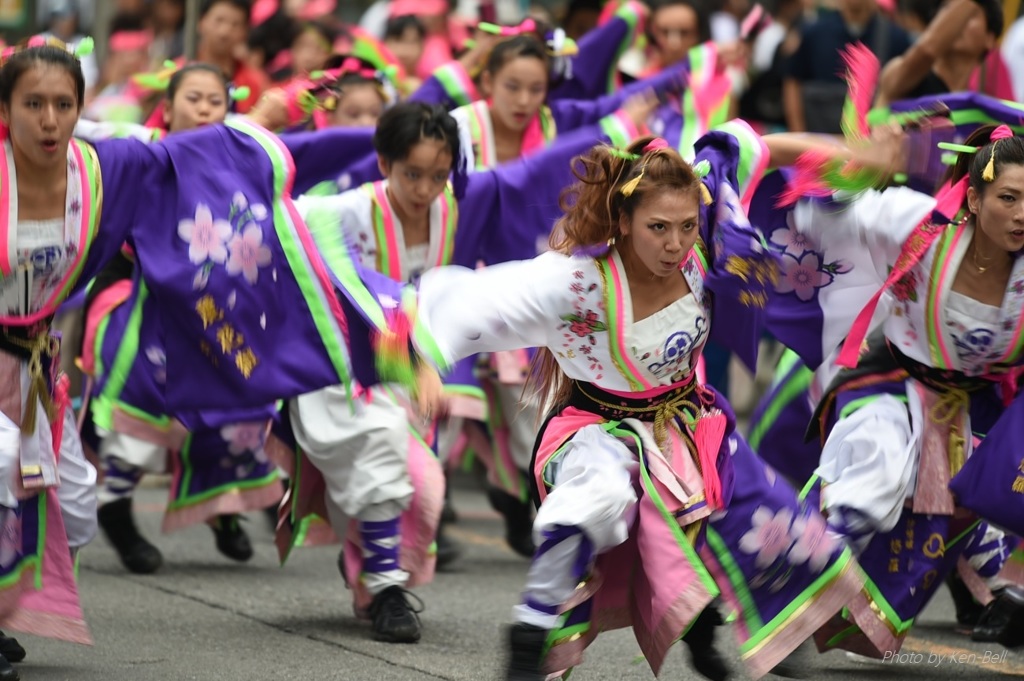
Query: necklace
(974, 257)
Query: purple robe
(245, 299)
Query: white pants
(74, 475)
(363, 458)
(868, 466)
(593, 491)
(125, 458)
(77, 490)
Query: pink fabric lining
(101, 307)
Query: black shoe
(518, 520)
(137, 554)
(526, 653)
(232, 540)
(11, 649)
(448, 514)
(968, 610)
(394, 620)
(700, 639)
(448, 550)
(7, 672)
(1002, 621)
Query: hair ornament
(959, 148)
(561, 48)
(705, 195)
(239, 94)
(527, 26)
(655, 144)
(1000, 133)
(83, 48)
(623, 154)
(630, 187)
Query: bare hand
(885, 151)
(271, 110)
(736, 53)
(640, 106)
(429, 391)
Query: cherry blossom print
(248, 253)
(803, 276)
(205, 236)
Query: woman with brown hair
(651, 505)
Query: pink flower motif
(205, 236)
(792, 241)
(769, 537)
(813, 545)
(803, 276)
(243, 437)
(248, 253)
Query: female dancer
(636, 457)
(897, 423)
(58, 232)
(401, 226)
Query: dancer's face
(359, 106)
(41, 115)
(662, 230)
(200, 100)
(999, 209)
(676, 30)
(416, 181)
(517, 91)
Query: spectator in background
(673, 29)
(222, 30)
(762, 101)
(118, 99)
(1013, 55)
(167, 21)
(82, 9)
(580, 17)
(950, 50)
(63, 22)
(437, 48)
(311, 48)
(813, 90)
(725, 19)
(404, 36)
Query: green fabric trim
(124, 358)
(739, 583)
(845, 559)
(185, 500)
(866, 400)
(795, 386)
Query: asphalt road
(203, 617)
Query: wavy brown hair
(594, 210)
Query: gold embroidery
(208, 311)
(207, 350)
(738, 266)
(229, 339)
(754, 298)
(929, 578)
(1018, 484)
(895, 546)
(894, 565)
(935, 547)
(246, 361)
